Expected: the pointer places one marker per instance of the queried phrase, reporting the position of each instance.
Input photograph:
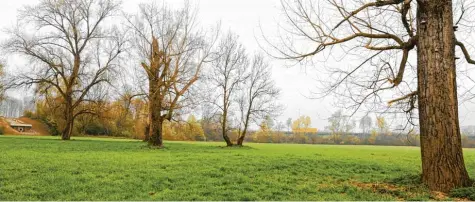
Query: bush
(466, 192)
(2, 130)
(29, 114)
(52, 126)
(96, 129)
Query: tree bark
(240, 140)
(246, 124)
(224, 130)
(156, 120)
(147, 133)
(443, 165)
(68, 130)
(156, 136)
(69, 120)
(224, 120)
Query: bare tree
(10, 107)
(70, 50)
(365, 124)
(173, 52)
(258, 96)
(340, 124)
(227, 74)
(288, 123)
(380, 32)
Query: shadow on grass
(407, 180)
(202, 147)
(120, 145)
(464, 193)
(244, 147)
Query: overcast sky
(244, 17)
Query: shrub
(96, 129)
(52, 126)
(29, 114)
(2, 130)
(466, 192)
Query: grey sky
(243, 17)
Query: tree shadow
(407, 180)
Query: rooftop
(18, 123)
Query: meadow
(46, 168)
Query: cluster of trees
(165, 62)
(13, 107)
(243, 89)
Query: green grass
(45, 168)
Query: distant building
(20, 126)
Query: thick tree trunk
(241, 137)
(240, 140)
(156, 120)
(156, 137)
(147, 133)
(69, 121)
(443, 165)
(68, 130)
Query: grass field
(45, 168)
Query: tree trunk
(155, 127)
(156, 137)
(223, 125)
(225, 134)
(69, 118)
(240, 140)
(443, 165)
(242, 135)
(147, 133)
(68, 130)
(246, 124)
(156, 120)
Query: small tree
(365, 124)
(340, 124)
(289, 124)
(228, 72)
(382, 125)
(258, 96)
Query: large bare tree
(384, 34)
(172, 51)
(226, 76)
(258, 97)
(69, 48)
